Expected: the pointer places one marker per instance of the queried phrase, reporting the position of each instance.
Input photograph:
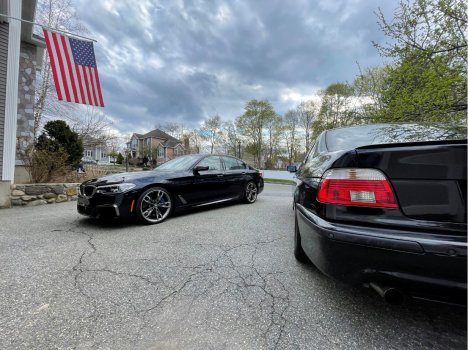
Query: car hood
(137, 176)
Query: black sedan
(183, 182)
(384, 206)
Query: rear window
(233, 163)
(363, 135)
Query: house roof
(89, 141)
(157, 133)
(172, 143)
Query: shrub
(134, 161)
(44, 164)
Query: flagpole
(43, 26)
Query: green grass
(280, 181)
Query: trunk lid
(429, 178)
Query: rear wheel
(154, 205)
(299, 253)
(251, 191)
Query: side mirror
(199, 168)
(291, 168)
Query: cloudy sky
(186, 60)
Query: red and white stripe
(73, 82)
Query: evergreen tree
(120, 158)
(57, 135)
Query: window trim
(161, 151)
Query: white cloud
(223, 14)
(296, 96)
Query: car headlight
(117, 188)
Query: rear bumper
(260, 185)
(421, 265)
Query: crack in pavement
(78, 268)
(238, 280)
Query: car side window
(241, 164)
(233, 163)
(212, 162)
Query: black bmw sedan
(384, 206)
(183, 182)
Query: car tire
(299, 253)
(154, 206)
(250, 192)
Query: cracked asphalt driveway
(223, 278)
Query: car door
(208, 185)
(235, 175)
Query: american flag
(74, 69)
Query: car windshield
(179, 163)
(353, 137)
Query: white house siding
(11, 94)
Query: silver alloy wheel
(251, 192)
(155, 205)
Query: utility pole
(126, 159)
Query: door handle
(220, 175)
(243, 173)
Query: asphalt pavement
(219, 278)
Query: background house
(158, 146)
(20, 56)
(96, 150)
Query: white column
(11, 99)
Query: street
(219, 278)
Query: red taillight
(261, 173)
(356, 187)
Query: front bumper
(422, 265)
(105, 206)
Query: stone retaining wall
(38, 194)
